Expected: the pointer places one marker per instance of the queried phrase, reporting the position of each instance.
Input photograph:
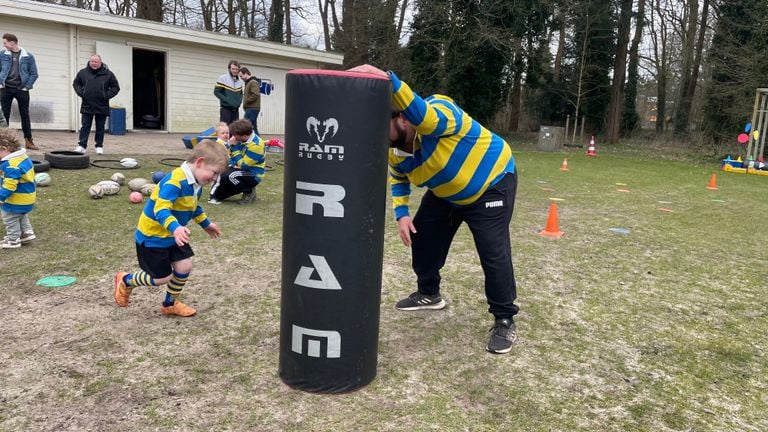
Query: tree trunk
(231, 15)
(560, 47)
(515, 95)
(323, 7)
(150, 10)
(619, 72)
(207, 10)
(403, 10)
(275, 27)
(690, 23)
(354, 38)
(288, 32)
(686, 103)
(661, 102)
(630, 117)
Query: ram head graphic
(325, 125)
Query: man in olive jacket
(96, 85)
(251, 97)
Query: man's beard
(400, 142)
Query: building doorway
(149, 89)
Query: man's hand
(213, 230)
(181, 234)
(405, 228)
(366, 68)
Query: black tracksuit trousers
(488, 219)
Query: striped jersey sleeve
(454, 156)
(17, 186)
(250, 156)
(173, 203)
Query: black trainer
(503, 335)
(418, 301)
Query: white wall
(51, 96)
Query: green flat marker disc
(56, 281)
(556, 199)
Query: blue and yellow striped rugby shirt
(17, 190)
(172, 204)
(249, 156)
(453, 155)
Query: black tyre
(63, 159)
(41, 166)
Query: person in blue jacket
(18, 73)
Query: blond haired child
(246, 165)
(162, 238)
(222, 134)
(17, 191)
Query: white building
(164, 71)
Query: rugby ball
(147, 189)
(109, 187)
(42, 179)
(136, 184)
(129, 162)
(119, 178)
(95, 192)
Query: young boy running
(162, 238)
(17, 191)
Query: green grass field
(662, 329)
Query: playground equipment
(756, 143)
(753, 139)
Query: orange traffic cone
(591, 151)
(564, 166)
(552, 229)
(712, 183)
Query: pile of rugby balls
(140, 187)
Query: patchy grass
(661, 329)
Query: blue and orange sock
(140, 278)
(174, 287)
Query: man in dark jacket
(96, 85)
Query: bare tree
(324, 6)
(630, 117)
(288, 34)
(613, 124)
(560, 54)
(276, 17)
(692, 55)
(686, 28)
(658, 25)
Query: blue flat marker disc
(619, 230)
(56, 281)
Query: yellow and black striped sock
(174, 287)
(140, 278)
